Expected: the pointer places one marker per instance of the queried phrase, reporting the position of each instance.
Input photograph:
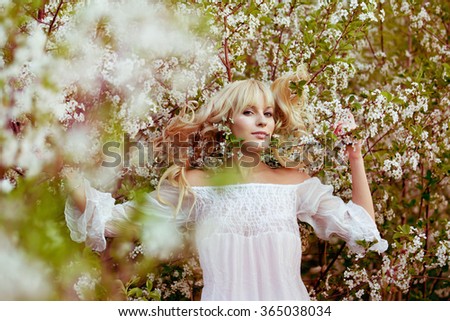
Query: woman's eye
(269, 114)
(247, 112)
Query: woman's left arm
(360, 187)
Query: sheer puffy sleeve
(330, 215)
(103, 218)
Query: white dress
(247, 235)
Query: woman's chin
(255, 145)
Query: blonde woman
(246, 228)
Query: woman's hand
(343, 129)
(345, 124)
(361, 193)
(354, 150)
(72, 176)
(75, 187)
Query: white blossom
(22, 277)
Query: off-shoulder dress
(247, 235)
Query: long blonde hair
(202, 124)
(294, 120)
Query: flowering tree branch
(225, 60)
(55, 16)
(280, 37)
(330, 54)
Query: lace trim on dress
(246, 209)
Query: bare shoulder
(196, 177)
(291, 176)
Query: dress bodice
(247, 235)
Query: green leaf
(356, 106)
(346, 47)
(397, 235)
(297, 87)
(154, 295)
(137, 292)
(252, 9)
(387, 95)
(308, 38)
(149, 284)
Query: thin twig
(50, 29)
(322, 274)
(19, 171)
(409, 43)
(320, 34)
(380, 7)
(317, 73)
(331, 52)
(371, 48)
(421, 197)
(52, 23)
(232, 11)
(435, 36)
(280, 37)
(238, 28)
(376, 142)
(226, 62)
(39, 16)
(436, 280)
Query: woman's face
(255, 124)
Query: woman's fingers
(345, 124)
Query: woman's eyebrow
(254, 107)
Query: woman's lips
(260, 135)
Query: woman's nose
(262, 121)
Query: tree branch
(371, 48)
(380, 7)
(331, 52)
(50, 28)
(322, 274)
(376, 142)
(226, 60)
(435, 36)
(280, 37)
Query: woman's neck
(247, 164)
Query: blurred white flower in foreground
(6, 186)
(160, 238)
(22, 277)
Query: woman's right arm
(76, 189)
(92, 215)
